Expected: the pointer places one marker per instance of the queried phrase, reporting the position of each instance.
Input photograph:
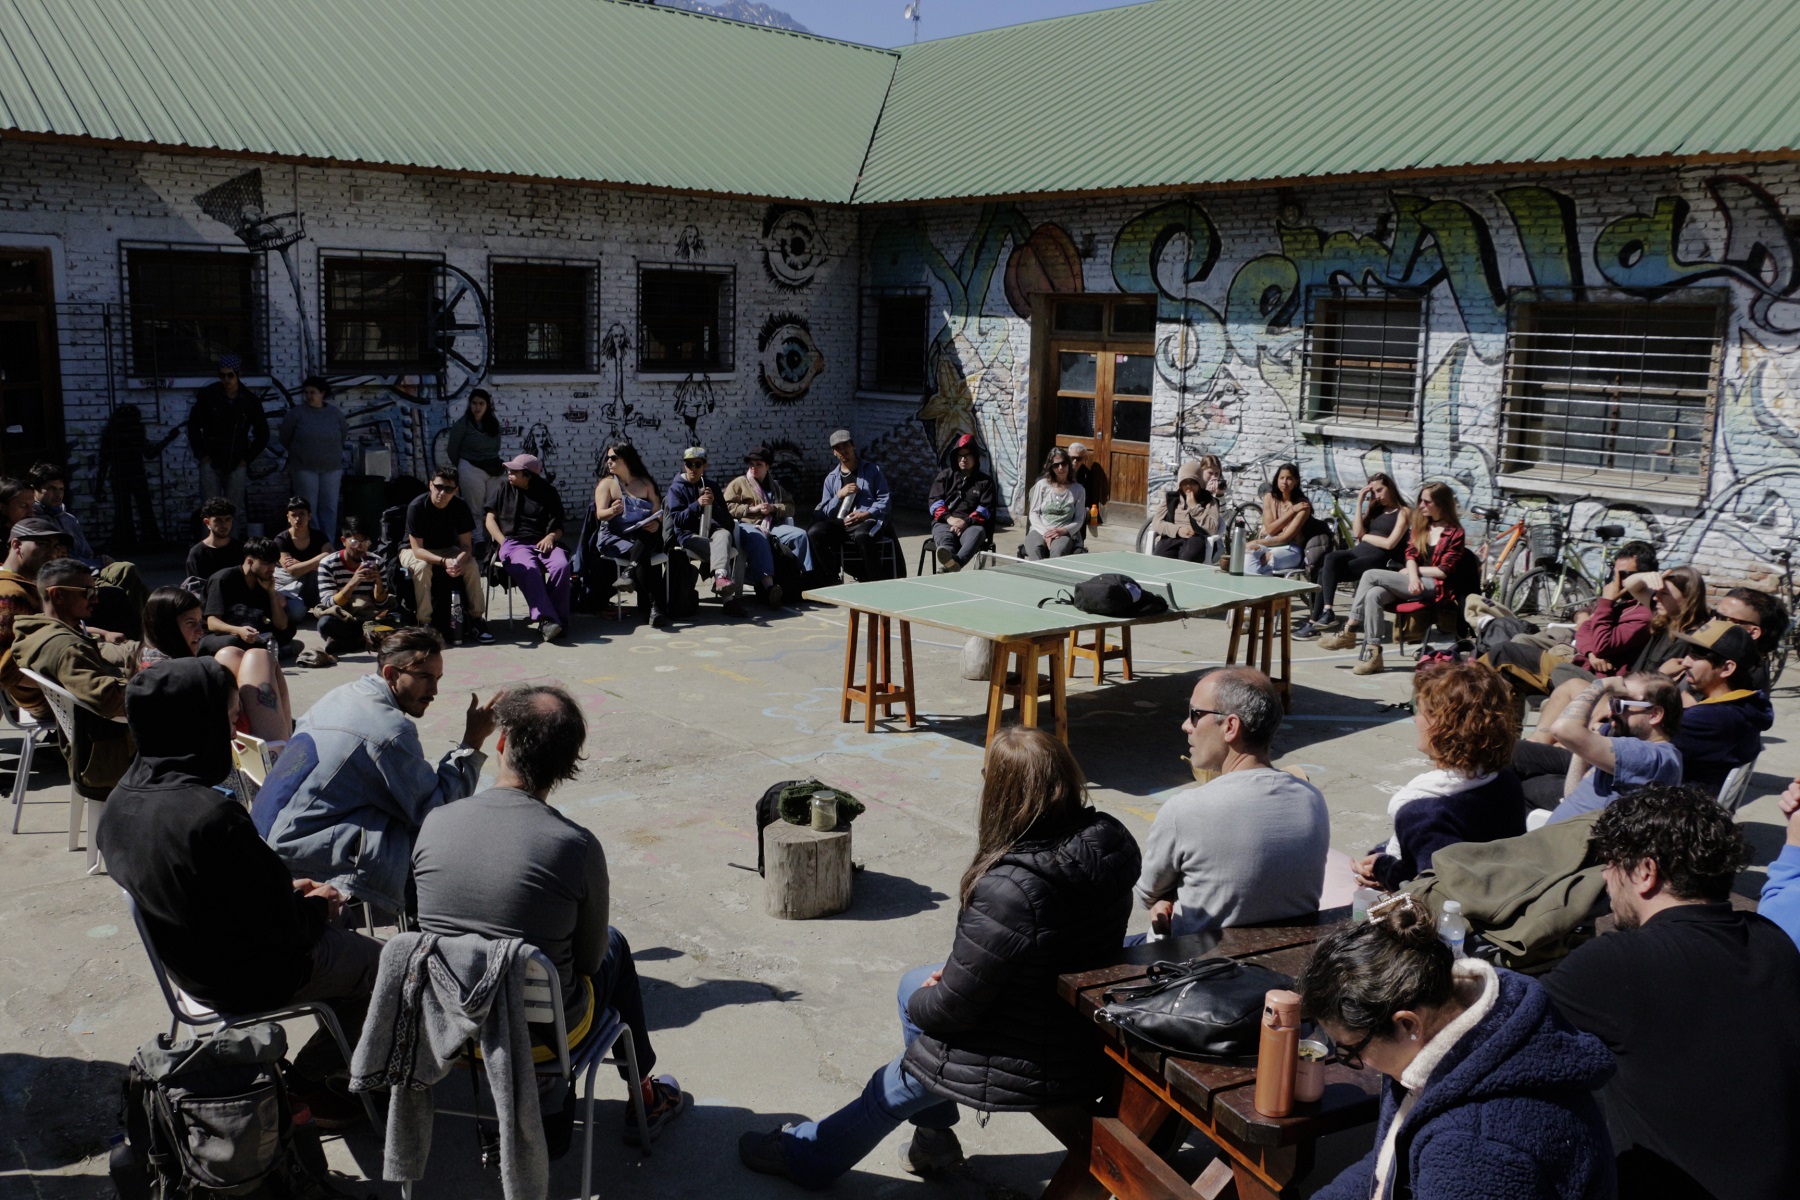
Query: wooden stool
(806, 873)
(1264, 622)
(1023, 656)
(1102, 652)
(877, 689)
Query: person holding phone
(359, 594)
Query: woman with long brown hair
(1380, 524)
(1047, 892)
(1434, 560)
(1286, 510)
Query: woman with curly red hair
(1467, 726)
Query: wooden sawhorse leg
(1026, 654)
(1256, 628)
(877, 689)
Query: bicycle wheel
(1251, 517)
(1779, 656)
(1549, 593)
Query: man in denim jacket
(351, 789)
(853, 507)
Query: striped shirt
(336, 571)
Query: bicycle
(1500, 575)
(1557, 589)
(1790, 640)
(1340, 519)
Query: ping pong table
(1015, 604)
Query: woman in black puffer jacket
(1049, 892)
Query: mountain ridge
(748, 11)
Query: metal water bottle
(1234, 562)
(1277, 1053)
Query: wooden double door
(1102, 365)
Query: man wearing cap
(31, 543)
(962, 504)
(1723, 724)
(703, 526)
(762, 508)
(853, 506)
(226, 429)
(526, 518)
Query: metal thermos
(1277, 1053)
(1234, 562)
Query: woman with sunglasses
(1057, 509)
(1438, 566)
(1489, 1091)
(627, 507)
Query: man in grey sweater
(1247, 847)
(504, 864)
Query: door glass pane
(1081, 317)
(19, 274)
(1134, 318)
(1079, 371)
(1132, 374)
(1131, 420)
(1075, 416)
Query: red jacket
(1446, 556)
(1618, 632)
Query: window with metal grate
(685, 317)
(895, 323)
(1611, 395)
(1362, 359)
(544, 314)
(379, 313)
(188, 306)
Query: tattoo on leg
(265, 695)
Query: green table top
(999, 604)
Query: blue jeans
(1276, 558)
(319, 489)
(817, 1152)
(754, 544)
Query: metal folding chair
(1736, 788)
(63, 706)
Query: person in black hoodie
(963, 500)
(1049, 892)
(232, 928)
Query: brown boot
(1371, 664)
(1343, 639)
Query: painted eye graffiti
(789, 358)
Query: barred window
(1362, 359)
(1603, 395)
(187, 307)
(378, 315)
(544, 315)
(894, 327)
(685, 318)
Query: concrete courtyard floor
(762, 1020)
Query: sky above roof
(880, 22)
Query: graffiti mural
(788, 360)
(792, 247)
(621, 415)
(695, 398)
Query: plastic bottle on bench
(1453, 930)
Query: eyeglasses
(1622, 707)
(610, 458)
(90, 591)
(443, 487)
(1194, 714)
(1351, 1056)
(695, 462)
(1716, 615)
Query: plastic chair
(185, 1010)
(253, 758)
(63, 706)
(33, 733)
(1736, 788)
(544, 1006)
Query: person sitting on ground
(1281, 545)
(853, 507)
(353, 786)
(218, 549)
(962, 504)
(173, 627)
(1379, 524)
(1761, 615)
(628, 509)
(1695, 998)
(354, 582)
(242, 607)
(505, 864)
(32, 543)
(526, 519)
(762, 508)
(1435, 563)
(703, 527)
(1189, 519)
(1056, 512)
(440, 555)
(1722, 721)
(1488, 1090)
(1780, 900)
(232, 927)
(1250, 845)
(1618, 734)
(302, 548)
(57, 646)
(1466, 726)
(1048, 892)
(16, 500)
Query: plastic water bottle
(1360, 900)
(1453, 930)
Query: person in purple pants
(526, 518)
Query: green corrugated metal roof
(1177, 92)
(592, 90)
(1163, 94)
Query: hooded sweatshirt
(65, 654)
(217, 903)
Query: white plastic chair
(544, 1006)
(63, 705)
(253, 758)
(185, 1010)
(32, 733)
(1736, 788)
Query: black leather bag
(1208, 1008)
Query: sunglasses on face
(1740, 622)
(442, 487)
(90, 591)
(1622, 707)
(1194, 714)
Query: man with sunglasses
(1631, 747)
(693, 503)
(227, 429)
(1723, 723)
(440, 555)
(1761, 615)
(1250, 845)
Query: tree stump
(806, 873)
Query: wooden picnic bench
(1153, 1098)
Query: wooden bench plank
(1127, 1168)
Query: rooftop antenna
(912, 14)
